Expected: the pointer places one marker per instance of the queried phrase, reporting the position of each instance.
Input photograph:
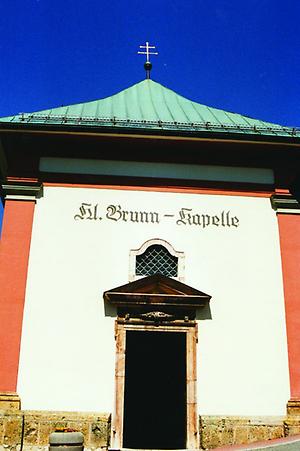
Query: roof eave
(146, 132)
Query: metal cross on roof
(147, 52)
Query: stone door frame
(191, 331)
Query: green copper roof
(149, 105)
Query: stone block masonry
(225, 431)
(30, 430)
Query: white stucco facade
(231, 253)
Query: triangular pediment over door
(157, 292)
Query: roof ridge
(85, 102)
(153, 103)
(215, 108)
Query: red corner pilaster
(289, 230)
(14, 255)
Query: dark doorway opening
(155, 390)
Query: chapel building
(149, 274)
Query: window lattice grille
(156, 259)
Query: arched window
(156, 257)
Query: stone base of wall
(222, 431)
(10, 401)
(293, 407)
(30, 430)
(292, 425)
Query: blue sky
(238, 56)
